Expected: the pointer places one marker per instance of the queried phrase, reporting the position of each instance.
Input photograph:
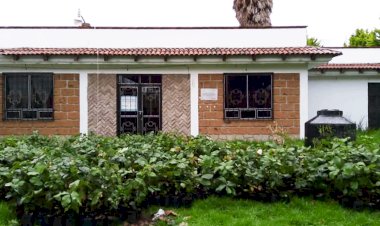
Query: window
(248, 96)
(28, 96)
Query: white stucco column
(194, 118)
(304, 104)
(83, 102)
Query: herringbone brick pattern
(102, 116)
(176, 104)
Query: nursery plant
(94, 177)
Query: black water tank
(329, 123)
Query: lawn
(216, 211)
(362, 136)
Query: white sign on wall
(209, 94)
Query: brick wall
(66, 111)
(102, 110)
(176, 104)
(286, 99)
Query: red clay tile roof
(171, 51)
(368, 66)
(145, 28)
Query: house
(224, 82)
(351, 83)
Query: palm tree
(253, 13)
(313, 42)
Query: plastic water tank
(329, 123)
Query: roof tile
(171, 51)
(362, 66)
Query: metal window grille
(28, 96)
(248, 96)
(139, 103)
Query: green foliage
(7, 215)
(342, 169)
(313, 42)
(88, 174)
(365, 38)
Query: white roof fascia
(152, 38)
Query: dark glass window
(248, 96)
(129, 79)
(236, 87)
(143, 79)
(28, 96)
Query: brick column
(102, 117)
(176, 104)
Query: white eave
(147, 37)
(122, 62)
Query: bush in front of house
(99, 176)
(349, 172)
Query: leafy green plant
(99, 175)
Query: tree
(313, 42)
(253, 13)
(365, 38)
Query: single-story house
(224, 82)
(351, 83)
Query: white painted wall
(304, 98)
(146, 38)
(83, 101)
(357, 55)
(349, 94)
(194, 104)
(348, 91)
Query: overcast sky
(331, 21)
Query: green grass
(374, 134)
(299, 212)
(6, 215)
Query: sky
(330, 21)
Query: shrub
(98, 175)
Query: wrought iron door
(139, 104)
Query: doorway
(139, 104)
(373, 105)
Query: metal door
(374, 105)
(139, 104)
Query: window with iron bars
(248, 96)
(28, 96)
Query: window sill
(246, 119)
(27, 120)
